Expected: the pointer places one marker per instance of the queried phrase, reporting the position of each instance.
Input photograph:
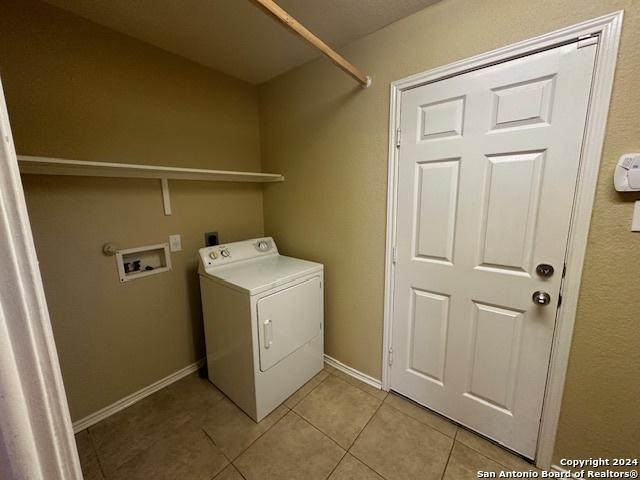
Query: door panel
(428, 335)
(441, 119)
(523, 104)
(436, 210)
(496, 335)
(287, 320)
(486, 179)
(510, 201)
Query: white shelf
(61, 166)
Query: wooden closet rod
(273, 9)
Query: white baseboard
(363, 377)
(129, 400)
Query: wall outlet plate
(211, 239)
(175, 243)
(635, 222)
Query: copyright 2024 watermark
(611, 468)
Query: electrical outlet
(175, 243)
(211, 239)
(635, 223)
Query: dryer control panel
(224, 254)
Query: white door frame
(36, 437)
(607, 28)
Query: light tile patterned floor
(334, 427)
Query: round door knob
(541, 298)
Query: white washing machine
(263, 321)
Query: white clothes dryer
(263, 321)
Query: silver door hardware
(545, 270)
(390, 356)
(398, 132)
(541, 298)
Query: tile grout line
(227, 466)
(283, 404)
(146, 449)
(487, 456)
(446, 465)
(427, 425)
(238, 470)
(337, 464)
(508, 468)
(307, 394)
(318, 428)
(189, 414)
(206, 434)
(212, 440)
(95, 451)
(356, 385)
(223, 396)
(304, 420)
(358, 436)
(346, 450)
(365, 426)
(258, 438)
(426, 409)
(455, 436)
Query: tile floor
(334, 427)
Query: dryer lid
(257, 275)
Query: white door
(487, 172)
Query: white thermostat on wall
(626, 177)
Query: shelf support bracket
(166, 197)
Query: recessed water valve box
(141, 262)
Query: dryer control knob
(225, 253)
(213, 255)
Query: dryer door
(287, 320)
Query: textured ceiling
(236, 37)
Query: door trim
(36, 438)
(607, 28)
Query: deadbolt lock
(544, 270)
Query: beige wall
(329, 138)
(77, 90)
